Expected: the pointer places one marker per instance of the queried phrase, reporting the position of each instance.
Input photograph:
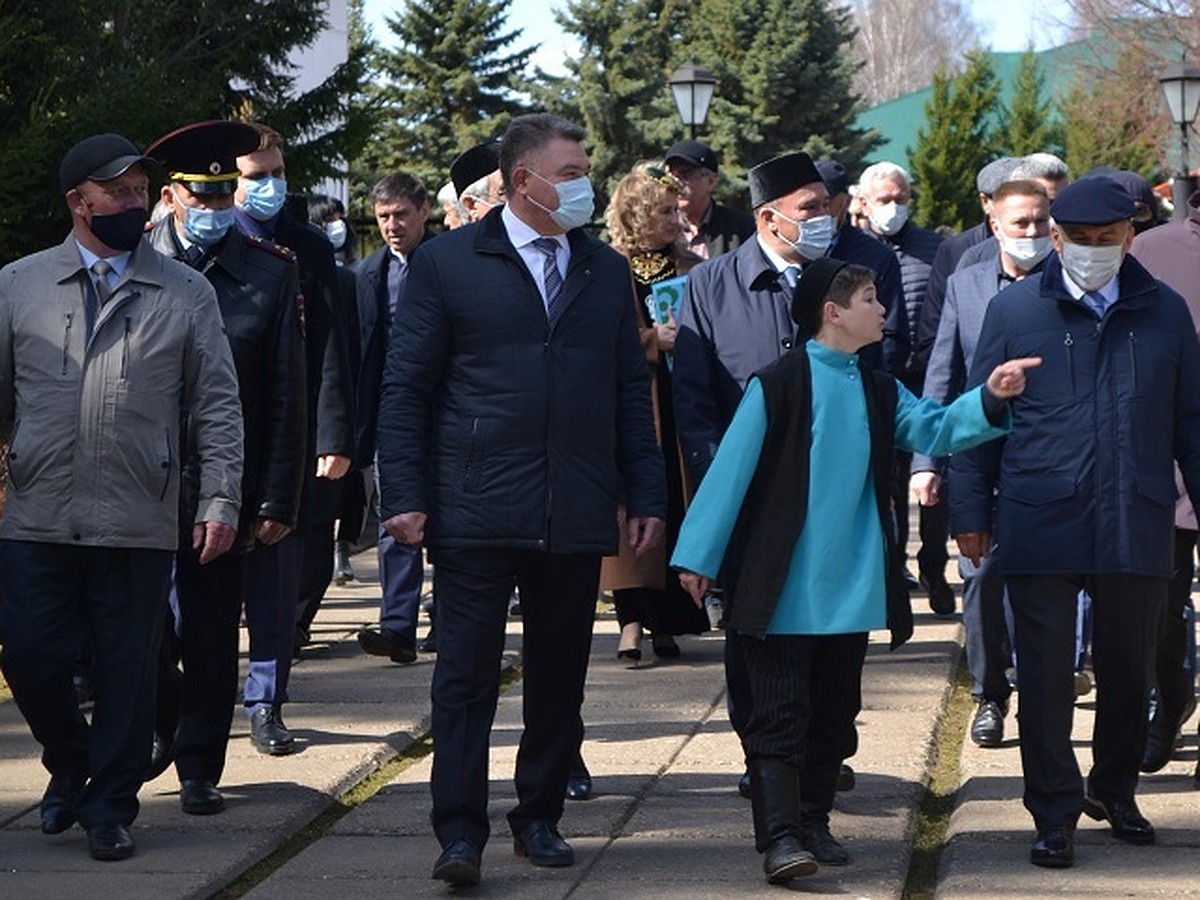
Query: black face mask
(121, 231)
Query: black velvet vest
(773, 514)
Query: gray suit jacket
(968, 293)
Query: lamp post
(693, 86)
(1181, 86)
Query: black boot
(775, 799)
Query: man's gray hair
(478, 188)
(883, 170)
(528, 134)
(1046, 166)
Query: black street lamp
(1181, 86)
(693, 87)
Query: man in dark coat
(401, 207)
(710, 228)
(516, 407)
(329, 442)
(1084, 492)
(258, 293)
(1171, 253)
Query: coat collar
(1136, 285)
(144, 266)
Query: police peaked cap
(813, 286)
(203, 157)
(471, 165)
(1095, 200)
(101, 157)
(781, 176)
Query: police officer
(258, 294)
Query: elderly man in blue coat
(1084, 496)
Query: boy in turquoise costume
(793, 516)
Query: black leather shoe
(1054, 847)
(1164, 734)
(109, 842)
(544, 846)
(785, 859)
(987, 728)
(1128, 823)
(200, 798)
(941, 595)
(58, 803)
(818, 841)
(744, 784)
(845, 780)
(381, 642)
(458, 864)
(269, 734)
(579, 783)
(664, 646)
(428, 644)
(162, 754)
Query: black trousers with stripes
(806, 691)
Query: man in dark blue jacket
(515, 413)
(1084, 492)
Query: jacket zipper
(1133, 359)
(125, 349)
(1069, 343)
(66, 356)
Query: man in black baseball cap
(710, 229)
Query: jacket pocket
(1158, 490)
(1038, 490)
(164, 464)
(474, 456)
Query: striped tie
(550, 273)
(100, 270)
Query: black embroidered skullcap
(813, 286)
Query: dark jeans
(54, 598)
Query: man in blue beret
(1083, 490)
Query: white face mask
(813, 235)
(1091, 267)
(1026, 252)
(890, 217)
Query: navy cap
(203, 157)
(835, 176)
(1095, 200)
(693, 153)
(101, 157)
(781, 176)
(471, 165)
(995, 174)
(813, 286)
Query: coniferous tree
(1030, 124)
(452, 82)
(68, 70)
(784, 71)
(957, 140)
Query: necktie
(791, 275)
(99, 294)
(550, 273)
(397, 269)
(1096, 301)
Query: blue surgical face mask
(813, 236)
(207, 226)
(264, 197)
(335, 230)
(576, 202)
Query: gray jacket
(94, 443)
